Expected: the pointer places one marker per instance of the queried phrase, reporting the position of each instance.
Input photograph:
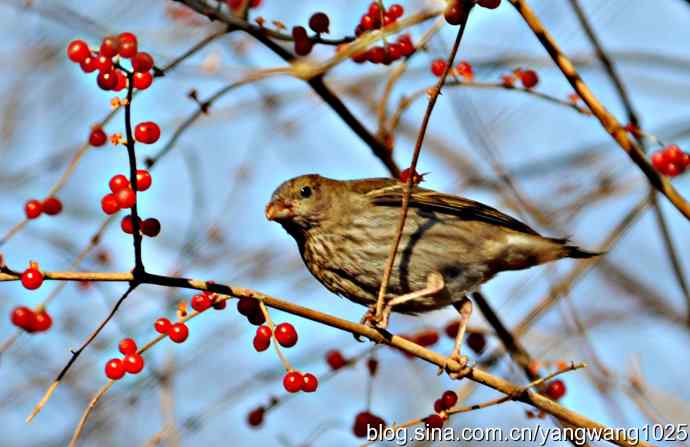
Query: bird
(450, 245)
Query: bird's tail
(566, 250)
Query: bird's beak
(279, 211)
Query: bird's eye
(305, 192)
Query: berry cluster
(250, 309)
(528, 78)
(131, 363)
(475, 340)
(122, 195)
(29, 320)
(336, 360)
(463, 69)
(285, 334)
(456, 10)
(295, 381)
(671, 160)
(32, 278)
(388, 53)
(34, 208)
(365, 421)
(376, 18)
(303, 43)
(447, 401)
(177, 332)
(107, 60)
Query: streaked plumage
(344, 230)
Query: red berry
(673, 154)
(555, 389)
(261, 343)
(142, 62)
(406, 47)
(22, 317)
(147, 132)
(127, 225)
(376, 55)
(449, 399)
(319, 22)
(438, 66)
(335, 359)
(292, 381)
(455, 12)
(127, 346)
(490, 4)
(118, 183)
(529, 78)
(434, 421)
(178, 332)
(256, 318)
(32, 278)
(89, 64)
(671, 169)
(219, 303)
(309, 383)
(104, 63)
(128, 45)
(121, 80)
(107, 80)
(365, 421)
(200, 302)
(114, 369)
(464, 69)
(126, 198)
(264, 331)
(52, 206)
(41, 322)
(438, 406)
(477, 342)
(247, 306)
(143, 180)
(33, 209)
(658, 160)
(388, 19)
(303, 46)
(77, 51)
(286, 335)
(426, 338)
(142, 80)
(151, 227)
(395, 51)
(374, 9)
(97, 137)
(452, 329)
(256, 417)
(133, 363)
(367, 22)
(110, 46)
(396, 10)
(162, 325)
(109, 204)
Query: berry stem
(413, 166)
(136, 234)
(276, 345)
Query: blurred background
(535, 158)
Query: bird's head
(300, 203)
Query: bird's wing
(390, 194)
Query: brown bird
(449, 247)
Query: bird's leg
(464, 308)
(434, 284)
